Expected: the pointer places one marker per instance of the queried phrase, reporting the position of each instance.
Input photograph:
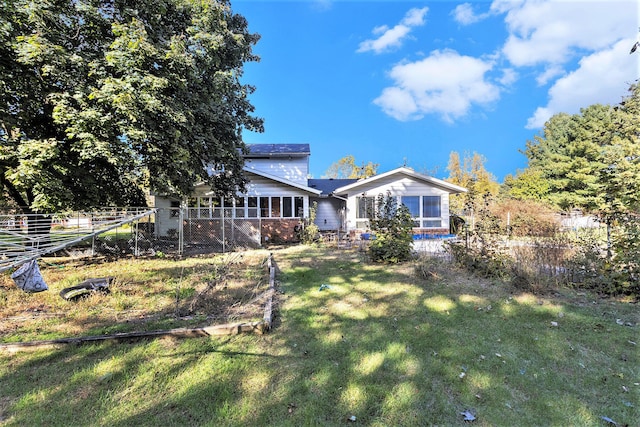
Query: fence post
(224, 249)
(181, 229)
(136, 252)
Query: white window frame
(420, 220)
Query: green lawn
(377, 343)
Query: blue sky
(406, 83)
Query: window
(287, 209)
(413, 204)
(240, 204)
(275, 207)
(431, 206)
(264, 207)
(426, 211)
(252, 210)
(365, 206)
(246, 207)
(432, 223)
(227, 206)
(204, 207)
(175, 209)
(298, 203)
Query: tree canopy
(346, 168)
(102, 98)
(587, 160)
(471, 174)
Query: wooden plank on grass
(214, 330)
(268, 309)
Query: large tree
(569, 156)
(620, 176)
(102, 98)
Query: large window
(426, 211)
(431, 206)
(431, 212)
(413, 204)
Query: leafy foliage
(483, 251)
(102, 99)
(471, 174)
(346, 168)
(393, 229)
(526, 218)
(527, 184)
(591, 161)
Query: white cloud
(463, 14)
(509, 77)
(445, 83)
(602, 78)
(548, 74)
(554, 32)
(393, 37)
(415, 17)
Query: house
(348, 203)
(279, 196)
(276, 199)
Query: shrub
(393, 229)
(526, 218)
(431, 269)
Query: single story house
(349, 203)
(279, 196)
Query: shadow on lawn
(377, 344)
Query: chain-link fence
(24, 237)
(133, 232)
(219, 235)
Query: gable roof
(278, 150)
(451, 188)
(328, 185)
(283, 181)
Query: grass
(379, 343)
(146, 294)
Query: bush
(484, 258)
(431, 269)
(526, 218)
(393, 228)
